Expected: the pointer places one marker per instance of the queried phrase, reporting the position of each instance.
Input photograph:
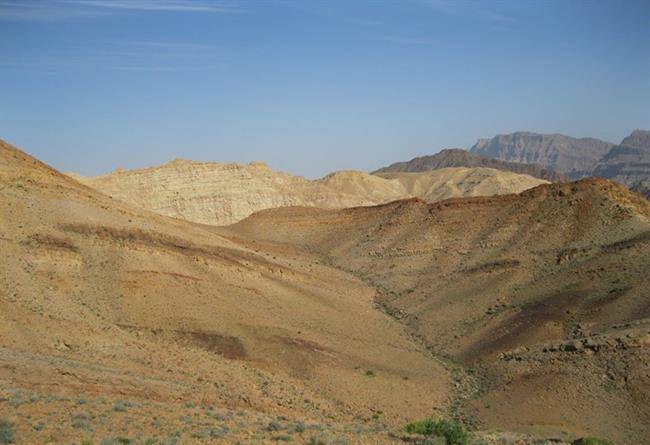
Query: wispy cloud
(468, 9)
(362, 22)
(59, 10)
(172, 46)
(408, 40)
(135, 56)
(156, 5)
(154, 68)
(43, 11)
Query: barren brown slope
(106, 303)
(219, 194)
(542, 295)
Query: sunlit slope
(545, 293)
(137, 305)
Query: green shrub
(593, 441)
(370, 373)
(7, 434)
(453, 432)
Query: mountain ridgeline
(628, 163)
(576, 157)
(457, 157)
(553, 157)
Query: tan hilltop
(219, 194)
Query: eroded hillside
(219, 194)
(136, 315)
(322, 326)
(542, 296)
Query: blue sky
(312, 86)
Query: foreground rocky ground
(51, 419)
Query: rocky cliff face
(576, 157)
(629, 162)
(457, 157)
(220, 194)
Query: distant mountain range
(573, 156)
(553, 157)
(628, 163)
(457, 157)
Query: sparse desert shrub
(201, 434)
(317, 440)
(274, 426)
(116, 441)
(221, 416)
(593, 441)
(119, 406)
(298, 427)
(87, 442)
(81, 421)
(213, 433)
(185, 419)
(324, 439)
(370, 373)
(7, 434)
(218, 432)
(453, 432)
(40, 426)
(16, 400)
(281, 438)
(171, 440)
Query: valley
(507, 313)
